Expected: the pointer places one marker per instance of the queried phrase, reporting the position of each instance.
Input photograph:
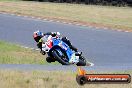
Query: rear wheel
(82, 61)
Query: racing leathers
(56, 35)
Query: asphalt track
(105, 48)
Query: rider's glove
(58, 33)
(55, 34)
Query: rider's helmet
(37, 35)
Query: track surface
(105, 48)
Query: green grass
(13, 54)
(109, 16)
(48, 79)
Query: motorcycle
(61, 52)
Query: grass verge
(48, 79)
(12, 54)
(102, 16)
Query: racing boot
(67, 41)
(73, 48)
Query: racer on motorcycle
(39, 38)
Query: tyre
(82, 61)
(60, 58)
(49, 59)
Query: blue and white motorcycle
(59, 51)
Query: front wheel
(60, 58)
(82, 61)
